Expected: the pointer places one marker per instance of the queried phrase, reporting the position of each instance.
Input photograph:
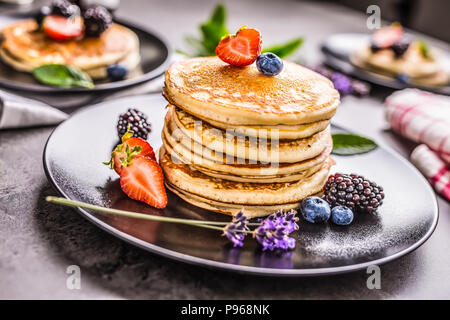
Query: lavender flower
(342, 83)
(274, 231)
(287, 219)
(326, 72)
(235, 231)
(360, 88)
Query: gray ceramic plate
(339, 47)
(73, 162)
(154, 50)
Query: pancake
(25, 47)
(207, 139)
(229, 208)
(240, 172)
(425, 71)
(260, 179)
(284, 131)
(212, 90)
(130, 62)
(194, 186)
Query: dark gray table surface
(38, 241)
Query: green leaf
(214, 29)
(286, 49)
(63, 76)
(424, 49)
(197, 45)
(346, 144)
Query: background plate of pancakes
(340, 50)
(74, 167)
(149, 54)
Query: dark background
(427, 16)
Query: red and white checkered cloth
(424, 118)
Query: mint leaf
(197, 45)
(63, 76)
(424, 49)
(214, 29)
(286, 49)
(346, 144)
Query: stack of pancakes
(234, 138)
(26, 47)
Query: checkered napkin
(424, 118)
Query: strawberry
(143, 180)
(131, 147)
(144, 150)
(141, 177)
(387, 36)
(240, 49)
(62, 28)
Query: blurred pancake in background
(26, 47)
(394, 53)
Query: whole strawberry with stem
(141, 177)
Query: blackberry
(137, 121)
(354, 192)
(82, 4)
(374, 47)
(96, 21)
(42, 13)
(64, 8)
(401, 46)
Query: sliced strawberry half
(143, 180)
(385, 37)
(62, 28)
(240, 49)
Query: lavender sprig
(236, 229)
(274, 231)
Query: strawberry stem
(78, 204)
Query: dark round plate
(339, 47)
(73, 160)
(155, 57)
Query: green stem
(130, 214)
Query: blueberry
(117, 72)
(341, 215)
(402, 78)
(269, 64)
(315, 210)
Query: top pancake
(213, 90)
(30, 46)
